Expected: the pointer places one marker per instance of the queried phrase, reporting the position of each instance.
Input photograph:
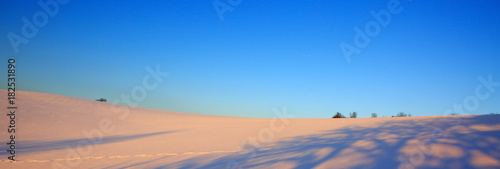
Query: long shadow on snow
(36, 146)
(388, 145)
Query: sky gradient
(262, 55)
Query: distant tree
(401, 114)
(374, 115)
(338, 115)
(409, 115)
(102, 100)
(353, 115)
(453, 114)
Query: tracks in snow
(119, 156)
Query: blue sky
(263, 55)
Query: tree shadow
(38, 146)
(448, 142)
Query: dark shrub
(353, 115)
(102, 100)
(338, 115)
(401, 114)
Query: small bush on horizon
(401, 114)
(353, 115)
(374, 115)
(338, 115)
(101, 100)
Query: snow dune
(54, 131)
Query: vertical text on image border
(30, 29)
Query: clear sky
(262, 55)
